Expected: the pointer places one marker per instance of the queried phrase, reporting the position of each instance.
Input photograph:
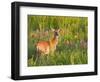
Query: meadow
(72, 45)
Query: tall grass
(72, 46)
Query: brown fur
(45, 47)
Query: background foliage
(72, 46)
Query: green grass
(72, 46)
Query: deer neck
(55, 38)
(54, 41)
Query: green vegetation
(72, 46)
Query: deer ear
(59, 30)
(53, 29)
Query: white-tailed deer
(46, 47)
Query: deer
(47, 47)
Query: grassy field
(72, 46)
